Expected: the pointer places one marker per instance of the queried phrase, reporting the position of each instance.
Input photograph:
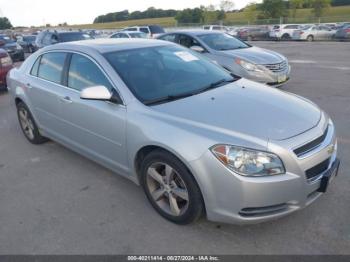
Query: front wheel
(310, 38)
(28, 125)
(171, 188)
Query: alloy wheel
(26, 123)
(167, 189)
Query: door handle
(66, 99)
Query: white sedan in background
(314, 32)
(129, 34)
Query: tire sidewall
(195, 208)
(38, 139)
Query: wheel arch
(147, 149)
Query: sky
(40, 12)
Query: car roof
(106, 45)
(195, 32)
(130, 32)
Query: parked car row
(308, 32)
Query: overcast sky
(39, 12)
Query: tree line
(126, 15)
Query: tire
(28, 125)
(310, 38)
(160, 165)
(285, 37)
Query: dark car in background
(254, 33)
(343, 33)
(46, 38)
(12, 48)
(5, 66)
(27, 42)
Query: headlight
(5, 61)
(248, 66)
(248, 162)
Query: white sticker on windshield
(186, 56)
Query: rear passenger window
(144, 30)
(84, 73)
(51, 67)
(35, 67)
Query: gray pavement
(53, 201)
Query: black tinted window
(70, 37)
(156, 29)
(51, 67)
(187, 41)
(144, 30)
(85, 73)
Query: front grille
(279, 67)
(311, 145)
(263, 211)
(317, 170)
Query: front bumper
(269, 77)
(232, 198)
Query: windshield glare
(158, 72)
(222, 42)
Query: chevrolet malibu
(197, 139)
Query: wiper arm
(216, 84)
(168, 98)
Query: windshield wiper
(168, 98)
(216, 84)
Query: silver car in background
(240, 58)
(198, 140)
(313, 33)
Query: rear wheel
(310, 38)
(285, 37)
(171, 188)
(28, 125)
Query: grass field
(333, 14)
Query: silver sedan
(197, 139)
(240, 58)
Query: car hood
(256, 55)
(247, 108)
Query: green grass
(332, 14)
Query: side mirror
(197, 48)
(100, 93)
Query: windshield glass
(154, 73)
(7, 39)
(222, 42)
(70, 37)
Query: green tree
(5, 23)
(320, 6)
(294, 5)
(273, 9)
(250, 12)
(227, 5)
(189, 16)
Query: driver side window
(84, 73)
(187, 41)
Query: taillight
(347, 30)
(301, 32)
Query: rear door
(95, 127)
(45, 89)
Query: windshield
(222, 42)
(70, 37)
(138, 35)
(7, 39)
(29, 38)
(165, 72)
